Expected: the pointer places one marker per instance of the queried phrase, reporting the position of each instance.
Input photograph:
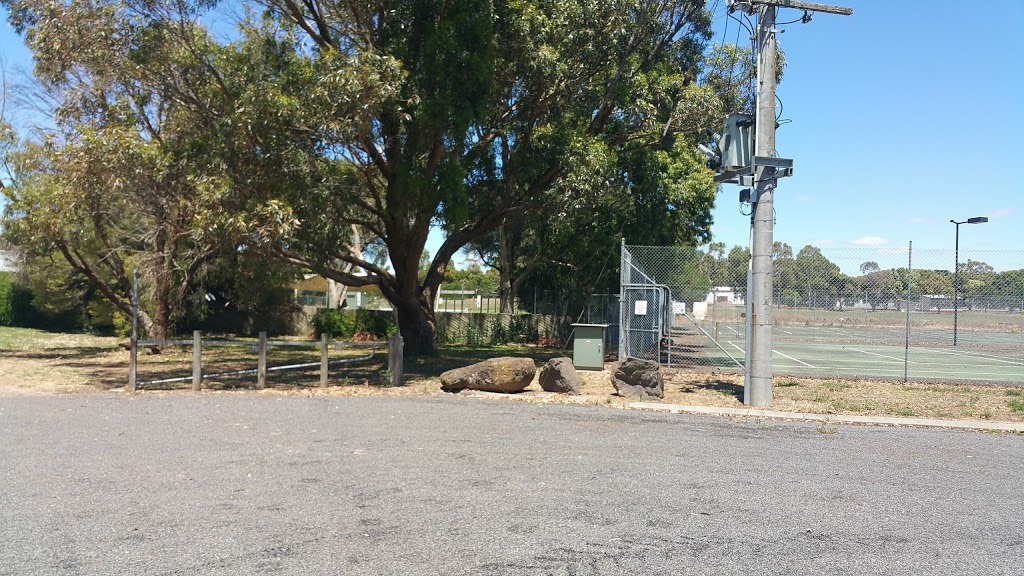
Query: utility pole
(762, 219)
(766, 167)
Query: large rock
(559, 375)
(636, 378)
(495, 375)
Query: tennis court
(980, 357)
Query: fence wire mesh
(889, 313)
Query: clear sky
(904, 115)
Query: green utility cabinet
(588, 346)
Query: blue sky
(904, 115)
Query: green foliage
(346, 324)
(512, 329)
(336, 323)
(122, 324)
(474, 336)
(472, 278)
(242, 292)
(790, 298)
(313, 126)
(20, 307)
(737, 264)
(15, 301)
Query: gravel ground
(218, 484)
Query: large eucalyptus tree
(394, 116)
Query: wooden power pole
(766, 167)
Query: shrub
(345, 324)
(16, 307)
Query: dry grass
(34, 362)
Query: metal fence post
(906, 350)
(261, 366)
(197, 360)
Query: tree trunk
(162, 309)
(505, 295)
(336, 293)
(418, 328)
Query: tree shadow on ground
(68, 353)
(714, 385)
(106, 367)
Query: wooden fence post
(133, 365)
(197, 360)
(261, 367)
(395, 364)
(323, 360)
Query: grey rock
(559, 375)
(504, 374)
(637, 378)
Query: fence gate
(660, 288)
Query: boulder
(505, 374)
(637, 378)
(559, 375)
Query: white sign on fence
(640, 308)
(700, 310)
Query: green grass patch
(1015, 392)
(788, 384)
(1017, 406)
(33, 340)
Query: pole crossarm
(800, 5)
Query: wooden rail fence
(394, 348)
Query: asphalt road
(241, 484)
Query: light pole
(956, 268)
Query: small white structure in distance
(724, 295)
(700, 310)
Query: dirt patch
(36, 363)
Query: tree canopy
(321, 129)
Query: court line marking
(1014, 362)
(734, 330)
(915, 373)
(793, 359)
(780, 354)
(876, 354)
(886, 370)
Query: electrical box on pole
(737, 141)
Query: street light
(956, 268)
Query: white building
(724, 295)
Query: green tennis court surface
(989, 357)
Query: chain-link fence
(665, 293)
(478, 329)
(885, 313)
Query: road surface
(241, 484)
